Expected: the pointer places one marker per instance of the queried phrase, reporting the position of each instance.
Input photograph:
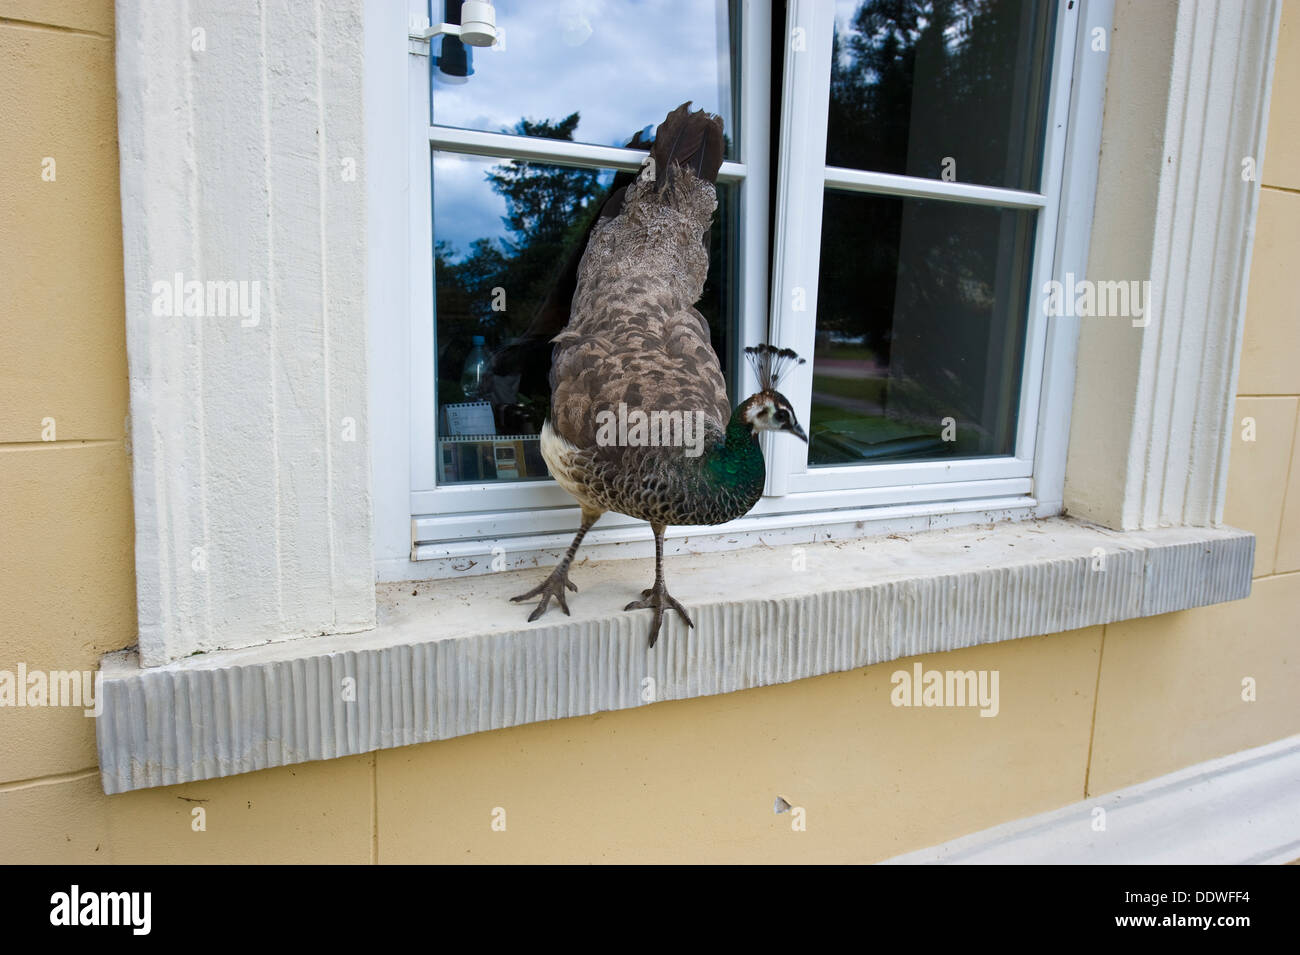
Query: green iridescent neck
(740, 435)
(737, 463)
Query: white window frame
(804, 178)
(448, 529)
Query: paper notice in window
(471, 417)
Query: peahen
(639, 420)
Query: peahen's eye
(781, 414)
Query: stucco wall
(1083, 712)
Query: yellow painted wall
(1081, 713)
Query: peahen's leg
(553, 586)
(657, 597)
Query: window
(919, 149)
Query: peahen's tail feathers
(689, 140)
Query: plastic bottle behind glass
(474, 375)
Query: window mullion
(800, 185)
(559, 151)
(755, 147)
(891, 184)
(420, 307)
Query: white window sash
(804, 179)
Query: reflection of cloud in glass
(576, 27)
(621, 63)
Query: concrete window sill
(454, 657)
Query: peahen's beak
(794, 429)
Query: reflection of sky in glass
(465, 206)
(622, 64)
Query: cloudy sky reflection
(621, 64)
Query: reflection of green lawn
(845, 353)
(864, 427)
(861, 389)
(900, 393)
(873, 429)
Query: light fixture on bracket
(477, 27)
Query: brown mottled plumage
(636, 343)
(634, 334)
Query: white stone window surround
(282, 514)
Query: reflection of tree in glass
(548, 209)
(915, 81)
(542, 201)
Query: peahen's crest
(770, 363)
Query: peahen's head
(768, 409)
(771, 411)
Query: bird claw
(658, 599)
(552, 586)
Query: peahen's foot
(552, 586)
(657, 598)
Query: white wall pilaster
(1186, 104)
(242, 161)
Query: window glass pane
(507, 239)
(921, 318)
(607, 68)
(942, 89)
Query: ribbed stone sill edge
(456, 657)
